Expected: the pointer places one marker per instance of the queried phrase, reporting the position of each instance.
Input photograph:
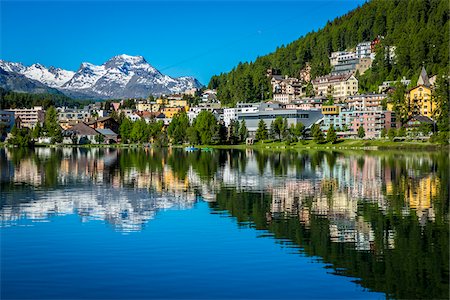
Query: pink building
(374, 122)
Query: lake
(133, 223)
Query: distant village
(333, 102)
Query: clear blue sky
(198, 38)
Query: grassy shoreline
(341, 145)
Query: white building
(339, 56)
(363, 50)
(230, 114)
(29, 117)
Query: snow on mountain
(122, 76)
(52, 77)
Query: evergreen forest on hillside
(419, 29)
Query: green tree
(125, 130)
(192, 136)
(99, 138)
(206, 126)
(20, 137)
(331, 135)
(261, 132)
(177, 128)
(285, 129)
(441, 100)
(278, 127)
(391, 134)
(37, 131)
(243, 132)
(298, 130)
(399, 103)
(361, 132)
(383, 132)
(233, 132)
(51, 125)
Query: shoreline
(279, 146)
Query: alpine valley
(122, 76)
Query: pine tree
(243, 132)
(261, 132)
(331, 135)
(361, 132)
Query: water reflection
(379, 217)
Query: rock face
(122, 76)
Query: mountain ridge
(122, 76)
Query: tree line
(11, 100)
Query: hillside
(418, 29)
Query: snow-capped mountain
(52, 77)
(122, 76)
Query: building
(293, 116)
(191, 92)
(338, 86)
(314, 103)
(345, 66)
(29, 117)
(419, 97)
(340, 56)
(104, 123)
(415, 122)
(230, 114)
(286, 89)
(80, 133)
(214, 108)
(365, 101)
(110, 136)
(170, 112)
(363, 50)
(209, 96)
(305, 73)
(7, 120)
(148, 106)
(389, 84)
(68, 117)
(373, 120)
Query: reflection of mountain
(125, 209)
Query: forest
(11, 100)
(419, 29)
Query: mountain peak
(129, 59)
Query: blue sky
(197, 38)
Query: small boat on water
(207, 149)
(190, 149)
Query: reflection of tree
(417, 267)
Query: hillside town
(313, 106)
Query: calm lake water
(117, 223)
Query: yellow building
(419, 97)
(161, 101)
(179, 103)
(420, 101)
(153, 107)
(169, 112)
(330, 110)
